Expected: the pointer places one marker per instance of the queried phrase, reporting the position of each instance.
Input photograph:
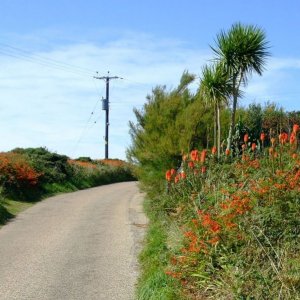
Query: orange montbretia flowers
(83, 164)
(209, 223)
(15, 169)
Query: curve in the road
(81, 245)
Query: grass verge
(154, 283)
(10, 208)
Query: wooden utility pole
(105, 106)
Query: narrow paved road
(81, 245)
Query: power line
(45, 64)
(48, 62)
(86, 127)
(46, 58)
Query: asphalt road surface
(81, 245)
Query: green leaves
(242, 50)
(170, 123)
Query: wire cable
(42, 59)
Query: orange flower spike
(203, 156)
(262, 136)
(168, 175)
(296, 128)
(283, 138)
(253, 147)
(214, 150)
(246, 138)
(203, 169)
(227, 152)
(191, 165)
(176, 179)
(173, 172)
(183, 175)
(293, 138)
(195, 155)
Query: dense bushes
(228, 222)
(228, 227)
(32, 173)
(233, 225)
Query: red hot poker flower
(203, 156)
(296, 128)
(246, 138)
(227, 152)
(253, 146)
(191, 165)
(214, 150)
(292, 138)
(194, 155)
(168, 175)
(283, 138)
(262, 136)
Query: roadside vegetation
(222, 181)
(28, 175)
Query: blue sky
(46, 101)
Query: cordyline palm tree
(242, 51)
(215, 88)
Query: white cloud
(42, 106)
(279, 84)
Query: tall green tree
(155, 135)
(243, 51)
(215, 88)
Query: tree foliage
(169, 124)
(243, 51)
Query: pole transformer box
(104, 104)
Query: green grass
(10, 208)
(153, 283)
